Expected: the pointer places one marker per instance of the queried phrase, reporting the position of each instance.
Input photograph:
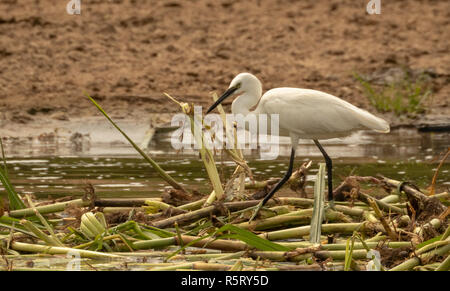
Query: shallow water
(42, 170)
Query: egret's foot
(257, 209)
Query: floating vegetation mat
(384, 225)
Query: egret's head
(242, 83)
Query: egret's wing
(317, 115)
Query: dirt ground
(127, 52)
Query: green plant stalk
(446, 233)
(342, 246)
(174, 267)
(25, 247)
(166, 177)
(445, 265)
(193, 205)
(155, 206)
(382, 205)
(14, 200)
(352, 211)
(377, 238)
(184, 218)
(206, 257)
(5, 168)
(45, 223)
(318, 208)
(434, 223)
(154, 243)
(106, 238)
(378, 213)
(46, 238)
(51, 208)
(292, 218)
(369, 216)
(279, 256)
(432, 246)
(196, 205)
(274, 222)
(394, 198)
(211, 266)
(340, 255)
(14, 224)
(348, 253)
(207, 158)
(238, 266)
(250, 238)
(304, 230)
(413, 262)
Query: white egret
(303, 114)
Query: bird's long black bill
(224, 96)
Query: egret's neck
(243, 103)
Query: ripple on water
(121, 185)
(44, 178)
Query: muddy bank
(126, 53)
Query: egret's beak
(225, 95)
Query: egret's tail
(372, 122)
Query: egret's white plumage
(303, 113)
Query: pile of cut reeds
(404, 230)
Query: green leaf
(155, 166)
(250, 238)
(434, 239)
(14, 200)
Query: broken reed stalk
(280, 256)
(61, 206)
(433, 181)
(413, 262)
(385, 225)
(14, 199)
(445, 265)
(44, 222)
(49, 240)
(184, 218)
(318, 208)
(411, 192)
(340, 255)
(435, 223)
(166, 177)
(301, 231)
(293, 218)
(205, 153)
(218, 244)
(34, 248)
(51, 208)
(382, 205)
(356, 246)
(235, 153)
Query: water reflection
(398, 144)
(54, 167)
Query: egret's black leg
(329, 170)
(278, 185)
(284, 180)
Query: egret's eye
(238, 85)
